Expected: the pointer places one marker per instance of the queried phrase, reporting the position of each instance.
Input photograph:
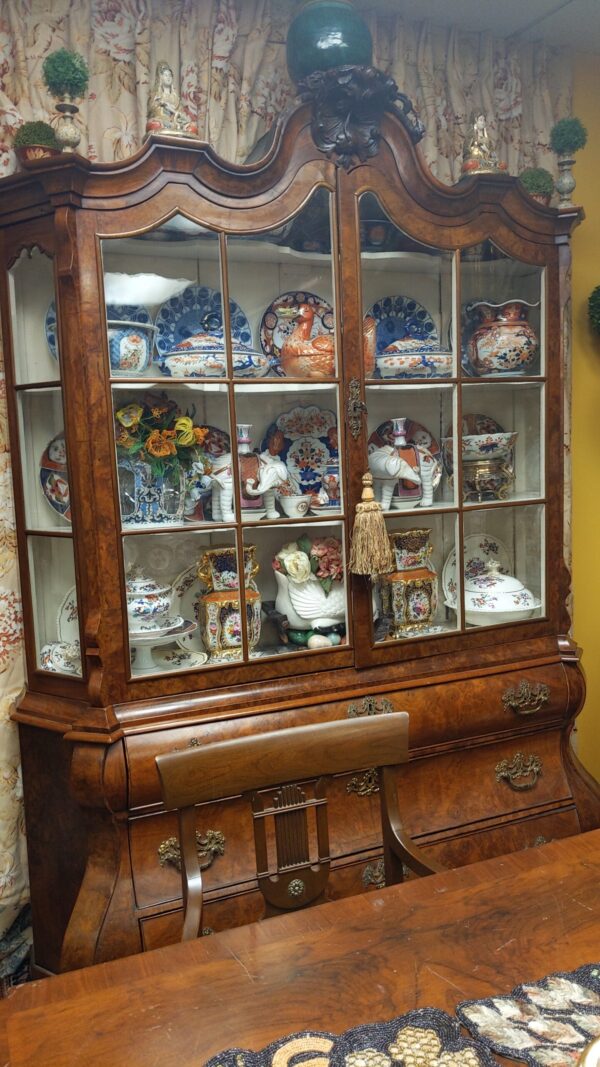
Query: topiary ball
(594, 308)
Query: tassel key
(370, 551)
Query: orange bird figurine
(303, 356)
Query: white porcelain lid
(494, 579)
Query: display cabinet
(202, 361)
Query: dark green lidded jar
(326, 34)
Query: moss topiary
(567, 136)
(594, 308)
(537, 180)
(65, 73)
(35, 133)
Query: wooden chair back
(282, 760)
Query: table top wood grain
(471, 932)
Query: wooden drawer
(511, 837)
(509, 701)
(443, 792)
(224, 912)
(354, 825)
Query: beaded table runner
(425, 1037)
(545, 1023)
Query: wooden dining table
(471, 932)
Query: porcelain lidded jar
(147, 602)
(504, 342)
(409, 595)
(493, 598)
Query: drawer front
(512, 837)
(439, 793)
(346, 879)
(450, 712)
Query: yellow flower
(161, 444)
(185, 430)
(129, 416)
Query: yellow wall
(586, 410)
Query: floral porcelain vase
(504, 342)
(409, 595)
(220, 614)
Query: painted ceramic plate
(401, 316)
(480, 549)
(274, 327)
(310, 444)
(197, 310)
(61, 657)
(54, 478)
(177, 659)
(150, 630)
(114, 312)
(198, 493)
(50, 326)
(187, 591)
(416, 434)
(67, 620)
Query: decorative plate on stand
(54, 478)
(198, 309)
(311, 445)
(401, 316)
(187, 592)
(275, 327)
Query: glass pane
(33, 317)
(164, 309)
(172, 449)
(417, 597)
(300, 579)
(502, 442)
(502, 314)
(283, 279)
(54, 600)
(504, 570)
(44, 459)
(288, 451)
(407, 301)
(183, 600)
(407, 427)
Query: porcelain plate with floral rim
(198, 309)
(479, 549)
(310, 444)
(54, 477)
(67, 619)
(401, 316)
(187, 593)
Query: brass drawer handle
(520, 766)
(526, 699)
(374, 874)
(370, 706)
(210, 845)
(365, 784)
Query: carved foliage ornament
(521, 772)
(209, 845)
(526, 698)
(370, 706)
(348, 103)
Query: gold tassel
(370, 551)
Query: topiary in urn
(327, 34)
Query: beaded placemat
(425, 1037)
(545, 1023)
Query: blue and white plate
(50, 325)
(197, 310)
(114, 313)
(401, 316)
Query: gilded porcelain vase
(220, 608)
(409, 595)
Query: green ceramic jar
(326, 34)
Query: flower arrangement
(155, 432)
(35, 133)
(302, 559)
(594, 308)
(567, 136)
(538, 181)
(65, 73)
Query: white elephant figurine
(388, 467)
(221, 478)
(260, 475)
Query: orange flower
(125, 439)
(200, 434)
(159, 444)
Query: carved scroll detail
(370, 706)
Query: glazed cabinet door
(450, 352)
(223, 362)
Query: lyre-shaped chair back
(297, 879)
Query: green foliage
(65, 73)
(35, 133)
(594, 308)
(567, 136)
(538, 181)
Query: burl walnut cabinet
(184, 508)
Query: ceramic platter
(198, 506)
(187, 591)
(177, 659)
(401, 316)
(67, 620)
(275, 327)
(114, 313)
(310, 444)
(197, 309)
(480, 549)
(54, 478)
(416, 434)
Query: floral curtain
(230, 58)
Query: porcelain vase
(148, 499)
(409, 595)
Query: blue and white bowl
(130, 346)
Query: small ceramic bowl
(296, 507)
(147, 602)
(481, 446)
(413, 362)
(130, 346)
(493, 598)
(203, 356)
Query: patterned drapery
(230, 55)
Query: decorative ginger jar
(409, 595)
(504, 342)
(326, 34)
(130, 346)
(493, 598)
